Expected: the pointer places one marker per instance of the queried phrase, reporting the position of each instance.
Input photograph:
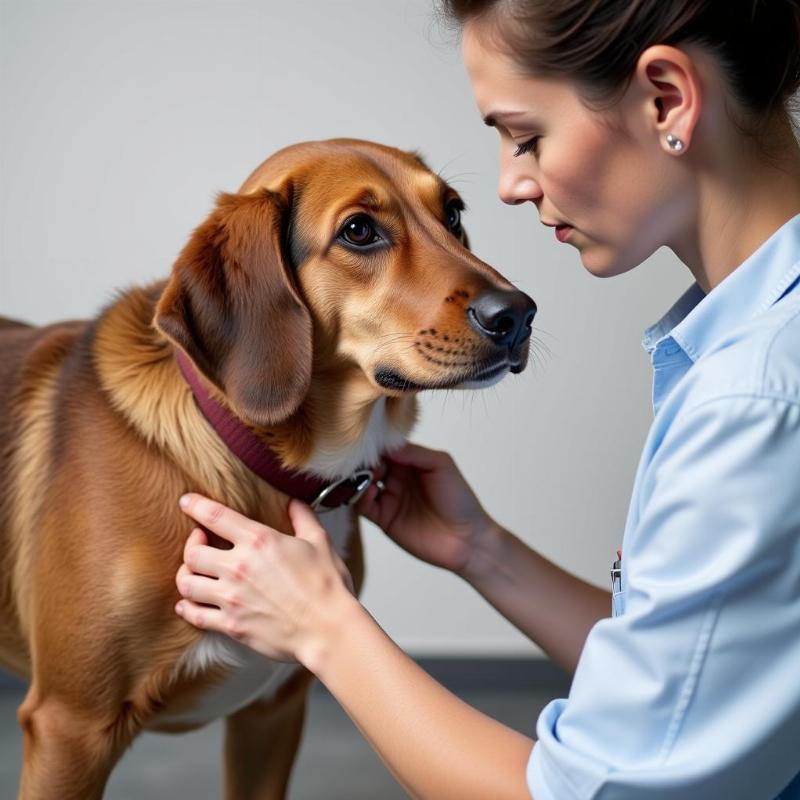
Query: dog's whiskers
(395, 341)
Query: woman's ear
(232, 306)
(673, 93)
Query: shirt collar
(698, 320)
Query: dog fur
(100, 435)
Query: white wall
(120, 120)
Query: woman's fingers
(198, 588)
(423, 458)
(205, 560)
(205, 617)
(197, 536)
(367, 504)
(372, 503)
(224, 521)
(306, 524)
(379, 505)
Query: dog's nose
(503, 316)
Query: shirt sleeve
(694, 692)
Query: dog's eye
(453, 213)
(359, 230)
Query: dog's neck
(335, 477)
(343, 423)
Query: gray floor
(334, 763)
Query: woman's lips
(563, 232)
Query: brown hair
(596, 43)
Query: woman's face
(607, 177)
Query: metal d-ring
(362, 479)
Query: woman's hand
(280, 595)
(428, 508)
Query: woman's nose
(516, 187)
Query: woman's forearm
(436, 745)
(553, 608)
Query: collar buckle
(356, 484)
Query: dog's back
(29, 358)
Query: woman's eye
(359, 230)
(527, 147)
(453, 215)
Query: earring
(674, 143)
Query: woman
(630, 124)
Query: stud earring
(674, 143)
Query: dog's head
(345, 255)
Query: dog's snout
(503, 316)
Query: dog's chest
(251, 676)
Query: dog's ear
(233, 307)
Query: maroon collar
(243, 442)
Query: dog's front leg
(69, 751)
(261, 742)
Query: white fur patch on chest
(252, 676)
(333, 461)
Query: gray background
(120, 121)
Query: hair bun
(765, 52)
(598, 42)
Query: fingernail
(179, 608)
(184, 501)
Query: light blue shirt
(692, 688)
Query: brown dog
(312, 306)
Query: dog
(297, 327)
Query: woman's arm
(285, 597)
(436, 745)
(428, 509)
(553, 608)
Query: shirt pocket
(618, 603)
